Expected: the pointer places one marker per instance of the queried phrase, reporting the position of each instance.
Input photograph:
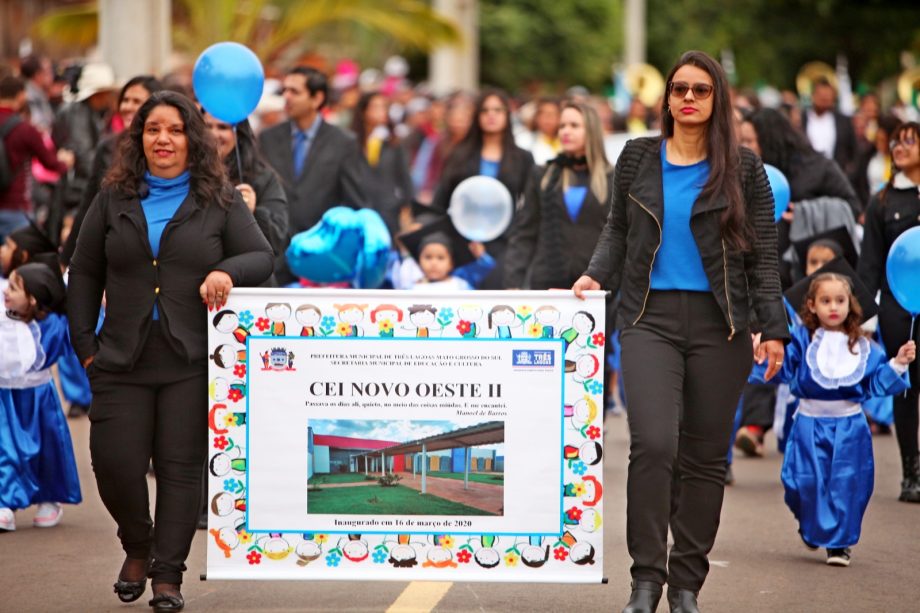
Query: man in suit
(319, 164)
(830, 132)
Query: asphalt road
(758, 563)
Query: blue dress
(828, 470)
(36, 453)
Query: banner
(406, 435)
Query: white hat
(95, 78)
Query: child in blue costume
(36, 454)
(828, 469)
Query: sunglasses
(701, 91)
(907, 141)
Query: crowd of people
(150, 210)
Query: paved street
(759, 563)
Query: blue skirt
(37, 440)
(828, 473)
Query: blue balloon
(375, 254)
(228, 80)
(779, 185)
(328, 252)
(903, 270)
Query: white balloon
(481, 208)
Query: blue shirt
(574, 198)
(489, 168)
(678, 265)
(160, 206)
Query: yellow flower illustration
(385, 325)
(448, 542)
(245, 537)
(525, 311)
(230, 420)
(511, 560)
(321, 538)
(534, 330)
(579, 489)
(343, 329)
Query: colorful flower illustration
(221, 442)
(254, 557)
(593, 432)
(321, 538)
(385, 325)
(239, 370)
(333, 559)
(464, 327)
(579, 489)
(598, 339)
(245, 537)
(448, 542)
(379, 557)
(534, 330)
(245, 318)
(343, 329)
(262, 324)
(574, 513)
(594, 387)
(235, 395)
(560, 553)
(327, 325)
(445, 316)
(579, 467)
(230, 420)
(231, 485)
(511, 559)
(464, 556)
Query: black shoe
(168, 601)
(838, 557)
(729, 475)
(129, 591)
(910, 485)
(644, 598)
(77, 410)
(682, 601)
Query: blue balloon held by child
(779, 185)
(903, 270)
(228, 80)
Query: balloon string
(239, 162)
(910, 337)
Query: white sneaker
(49, 515)
(7, 520)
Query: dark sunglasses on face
(907, 141)
(701, 91)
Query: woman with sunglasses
(488, 149)
(890, 213)
(690, 245)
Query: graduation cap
(796, 294)
(439, 230)
(31, 238)
(45, 284)
(839, 237)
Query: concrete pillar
(132, 51)
(457, 67)
(424, 468)
(466, 469)
(634, 25)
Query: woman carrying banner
(689, 244)
(167, 233)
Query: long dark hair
(850, 325)
(209, 182)
(781, 145)
(722, 149)
(359, 124)
(471, 145)
(908, 127)
(251, 158)
(148, 82)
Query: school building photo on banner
(405, 467)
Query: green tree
(548, 44)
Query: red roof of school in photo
(348, 442)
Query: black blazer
(389, 185)
(845, 146)
(335, 174)
(113, 255)
(545, 241)
(101, 162)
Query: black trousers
(158, 410)
(894, 324)
(683, 379)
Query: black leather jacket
(744, 283)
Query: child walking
(828, 469)
(36, 454)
